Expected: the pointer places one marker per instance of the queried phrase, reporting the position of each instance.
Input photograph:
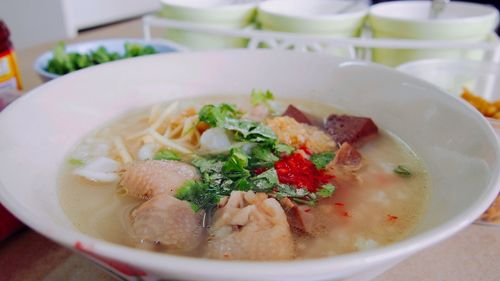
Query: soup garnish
(255, 179)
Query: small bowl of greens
(64, 59)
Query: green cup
(216, 13)
(335, 18)
(460, 21)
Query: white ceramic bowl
(40, 128)
(482, 78)
(112, 45)
(228, 14)
(459, 21)
(341, 18)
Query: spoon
(437, 7)
(348, 6)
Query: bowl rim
(484, 65)
(178, 4)
(268, 7)
(377, 13)
(181, 265)
(41, 61)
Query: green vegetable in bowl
(64, 62)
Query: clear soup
(378, 208)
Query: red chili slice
(296, 170)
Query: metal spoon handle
(437, 7)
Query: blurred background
(33, 22)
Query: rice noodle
(153, 115)
(164, 115)
(168, 143)
(122, 150)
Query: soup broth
(378, 204)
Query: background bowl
(482, 78)
(41, 127)
(227, 14)
(460, 21)
(339, 18)
(112, 45)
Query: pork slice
(146, 179)
(299, 216)
(344, 167)
(297, 114)
(168, 221)
(347, 128)
(250, 227)
(348, 156)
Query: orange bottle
(10, 78)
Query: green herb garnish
(235, 167)
(265, 182)
(326, 191)
(250, 131)
(63, 62)
(263, 157)
(216, 115)
(402, 171)
(286, 190)
(282, 148)
(199, 194)
(260, 97)
(165, 154)
(76, 162)
(136, 50)
(320, 160)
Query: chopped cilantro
(266, 181)
(286, 190)
(225, 116)
(199, 194)
(260, 97)
(311, 203)
(216, 115)
(320, 160)
(402, 171)
(326, 191)
(250, 131)
(262, 157)
(236, 164)
(166, 154)
(284, 148)
(75, 162)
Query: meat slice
(250, 227)
(348, 160)
(299, 216)
(348, 156)
(297, 114)
(346, 128)
(168, 221)
(146, 179)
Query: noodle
(122, 150)
(168, 143)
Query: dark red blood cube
(346, 128)
(296, 114)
